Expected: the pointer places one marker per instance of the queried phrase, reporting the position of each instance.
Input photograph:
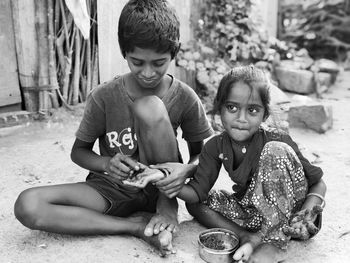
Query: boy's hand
(144, 176)
(171, 185)
(302, 224)
(122, 166)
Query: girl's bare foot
(249, 241)
(266, 253)
(243, 252)
(162, 241)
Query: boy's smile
(148, 69)
(242, 113)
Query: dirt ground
(38, 154)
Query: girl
(277, 193)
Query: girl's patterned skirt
(277, 190)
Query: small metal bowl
(217, 245)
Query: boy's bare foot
(158, 223)
(266, 253)
(161, 241)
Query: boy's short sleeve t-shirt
(108, 117)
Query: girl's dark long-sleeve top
(218, 151)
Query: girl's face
(147, 66)
(242, 113)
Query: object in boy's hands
(302, 226)
(144, 176)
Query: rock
(326, 65)
(9, 119)
(298, 99)
(329, 66)
(324, 79)
(277, 95)
(295, 80)
(297, 63)
(317, 117)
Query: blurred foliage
(323, 28)
(227, 33)
(229, 27)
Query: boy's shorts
(123, 201)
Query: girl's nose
(242, 116)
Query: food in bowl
(217, 245)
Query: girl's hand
(122, 166)
(171, 185)
(302, 224)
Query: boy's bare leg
(157, 144)
(78, 209)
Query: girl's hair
(255, 78)
(151, 24)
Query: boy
(134, 117)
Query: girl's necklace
(243, 147)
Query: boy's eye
(137, 63)
(158, 64)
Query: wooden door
(10, 95)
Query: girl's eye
(231, 108)
(253, 110)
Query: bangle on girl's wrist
(323, 204)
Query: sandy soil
(38, 154)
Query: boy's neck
(135, 91)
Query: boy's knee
(27, 208)
(149, 110)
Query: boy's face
(242, 113)
(147, 66)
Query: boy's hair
(151, 24)
(255, 78)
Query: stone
(326, 65)
(324, 79)
(296, 63)
(277, 95)
(317, 117)
(329, 66)
(9, 119)
(295, 80)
